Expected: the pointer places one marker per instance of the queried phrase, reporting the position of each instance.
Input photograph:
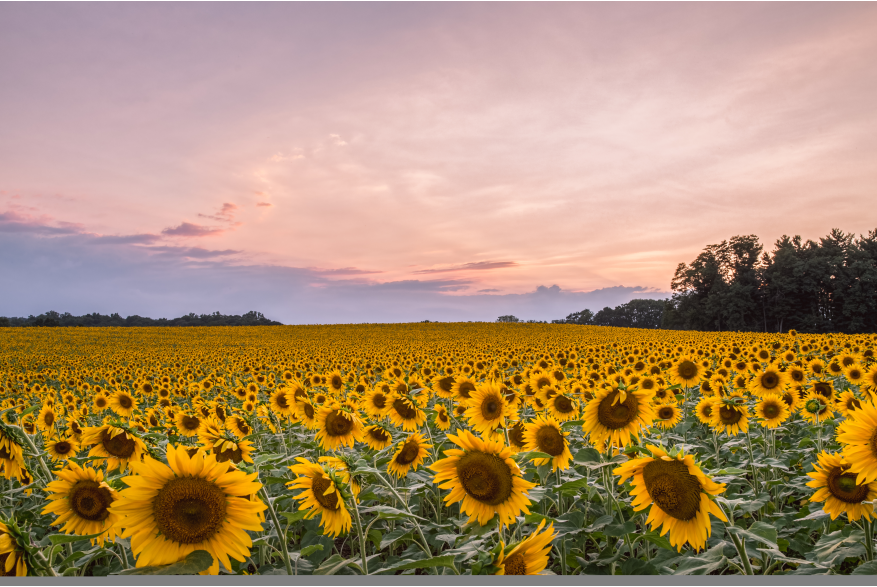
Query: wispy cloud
(126, 239)
(189, 230)
(344, 271)
(479, 266)
(225, 214)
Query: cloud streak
(478, 266)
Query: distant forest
(66, 319)
(812, 287)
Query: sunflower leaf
(194, 563)
(66, 538)
(436, 561)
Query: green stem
(39, 455)
(386, 484)
(361, 538)
(282, 536)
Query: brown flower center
(618, 414)
(337, 424)
(843, 486)
(319, 486)
(550, 441)
(189, 510)
(515, 565)
(90, 501)
(673, 488)
(119, 446)
(409, 453)
(485, 477)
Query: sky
(392, 162)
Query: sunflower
(817, 408)
(11, 457)
(463, 388)
(119, 447)
(816, 367)
(615, 415)
(529, 556)
(848, 403)
(12, 555)
(188, 424)
(123, 403)
(869, 381)
(335, 382)
(232, 450)
(772, 410)
(486, 407)
(374, 402)
(62, 448)
(545, 435)
(562, 407)
(404, 413)
(341, 466)
(668, 415)
(704, 409)
(771, 380)
(840, 489)
(376, 437)
(280, 402)
(443, 386)
(730, 416)
(238, 426)
(859, 448)
(517, 441)
(441, 419)
(409, 454)
(81, 500)
(685, 371)
(792, 398)
(46, 418)
(337, 427)
(100, 402)
(678, 491)
(306, 413)
(192, 503)
(482, 475)
(321, 495)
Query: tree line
(829, 285)
(638, 313)
(54, 319)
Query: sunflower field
(431, 448)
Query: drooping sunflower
(341, 465)
(409, 454)
(12, 555)
(376, 437)
(443, 385)
(685, 371)
(404, 413)
(321, 495)
(529, 556)
(678, 491)
(614, 415)
(61, 449)
(337, 427)
(544, 434)
(668, 415)
(235, 450)
(482, 474)
(486, 408)
(772, 410)
(192, 503)
(81, 500)
(11, 457)
(123, 403)
(119, 447)
(859, 448)
(731, 417)
(840, 489)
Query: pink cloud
(225, 214)
(187, 229)
(479, 266)
(264, 204)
